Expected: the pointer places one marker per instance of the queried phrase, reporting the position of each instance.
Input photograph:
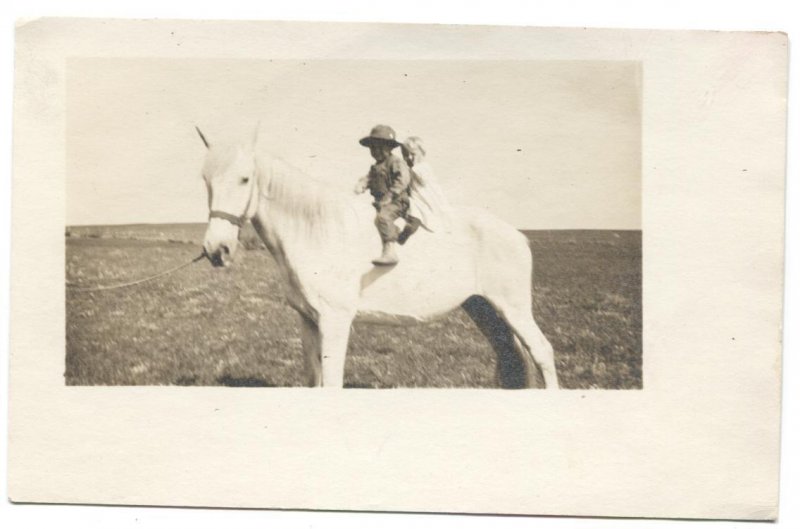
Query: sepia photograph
(358, 224)
(302, 266)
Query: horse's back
(439, 270)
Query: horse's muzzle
(220, 242)
(220, 256)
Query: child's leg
(384, 221)
(412, 225)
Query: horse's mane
(304, 206)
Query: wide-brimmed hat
(380, 134)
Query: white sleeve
(424, 173)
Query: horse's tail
(513, 366)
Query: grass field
(206, 326)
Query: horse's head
(232, 182)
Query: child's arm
(361, 185)
(421, 174)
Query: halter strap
(233, 219)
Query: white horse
(324, 242)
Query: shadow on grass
(244, 382)
(359, 385)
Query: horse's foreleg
(309, 335)
(334, 333)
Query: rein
(233, 219)
(78, 288)
(237, 221)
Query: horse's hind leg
(515, 368)
(517, 314)
(536, 343)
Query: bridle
(237, 221)
(233, 219)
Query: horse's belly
(429, 280)
(421, 303)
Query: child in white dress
(427, 201)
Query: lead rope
(75, 287)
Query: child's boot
(388, 256)
(412, 225)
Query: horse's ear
(205, 141)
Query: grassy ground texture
(204, 326)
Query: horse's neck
(295, 212)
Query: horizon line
(205, 222)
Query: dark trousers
(385, 217)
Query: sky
(541, 144)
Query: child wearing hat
(388, 181)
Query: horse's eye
(245, 179)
